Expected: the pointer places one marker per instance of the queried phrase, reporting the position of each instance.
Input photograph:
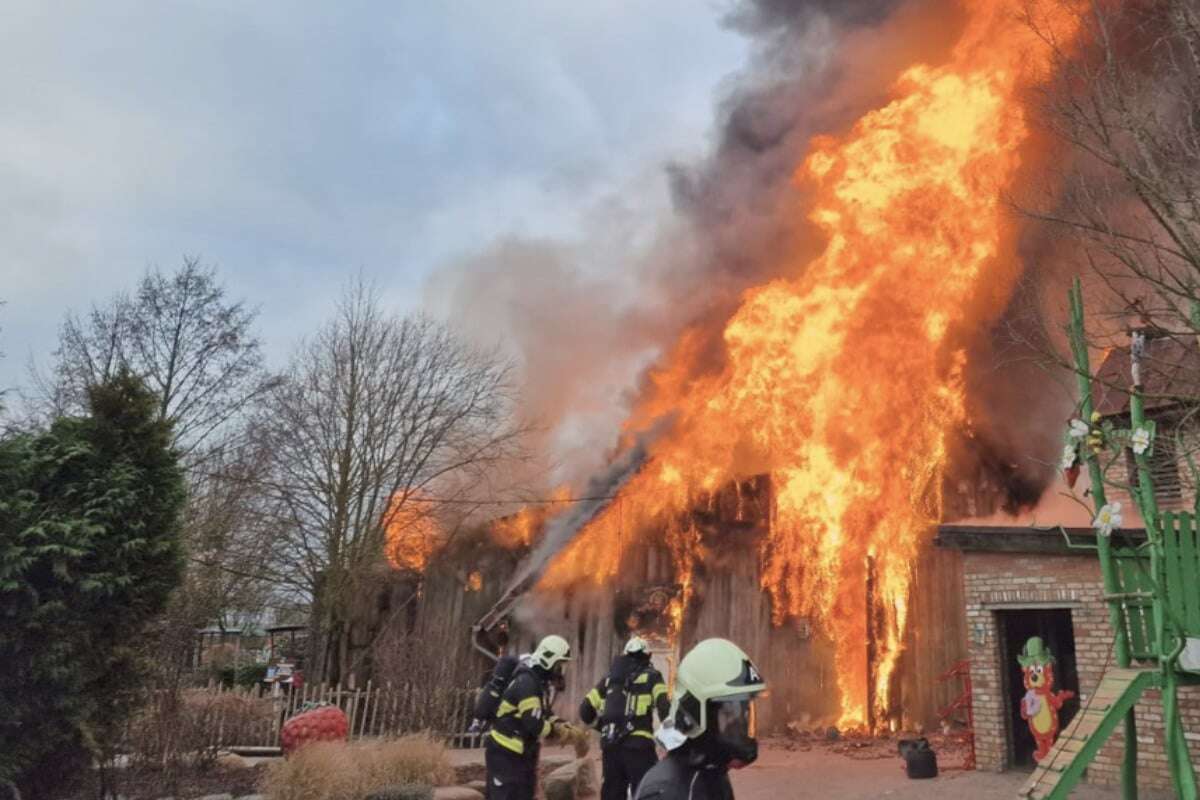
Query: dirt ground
(823, 773)
(781, 774)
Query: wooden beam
(1019, 539)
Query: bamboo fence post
(373, 710)
(364, 711)
(390, 722)
(346, 703)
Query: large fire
(843, 378)
(520, 529)
(411, 532)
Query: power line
(421, 498)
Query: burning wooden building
(844, 380)
(703, 575)
(690, 577)
(796, 446)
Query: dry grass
(193, 725)
(340, 771)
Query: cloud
(584, 314)
(294, 144)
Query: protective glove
(562, 732)
(582, 741)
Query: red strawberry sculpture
(317, 724)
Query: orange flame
(411, 533)
(520, 529)
(844, 378)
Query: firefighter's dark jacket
(524, 714)
(647, 694)
(673, 779)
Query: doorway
(1055, 628)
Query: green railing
(1134, 597)
(1181, 565)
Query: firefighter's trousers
(510, 776)
(625, 764)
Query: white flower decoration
(1108, 519)
(1078, 429)
(1068, 456)
(1140, 440)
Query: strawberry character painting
(1041, 704)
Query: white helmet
(636, 645)
(551, 651)
(718, 673)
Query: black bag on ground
(919, 760)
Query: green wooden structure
(1153, 593)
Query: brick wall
(995, 582)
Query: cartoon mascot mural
(1040, 705)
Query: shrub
(89, 516)
(340, 771)
(245, 676)
(249, 676)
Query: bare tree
(228, 535)
(380, 421)
(179, 333)
(1124, 100)
(196, 348)
(1121, 101)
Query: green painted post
(1143, 493)
(1083, 374)
(1178, 758)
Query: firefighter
(710, 729)
(621, 707)
(523, 720)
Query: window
(1164, 468)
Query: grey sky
(292, 143)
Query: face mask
(735, 727)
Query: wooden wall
(936, 637)
(727, 601)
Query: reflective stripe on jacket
(646, 694)
(524, 714)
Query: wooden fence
(391, 709)
(238, 717)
